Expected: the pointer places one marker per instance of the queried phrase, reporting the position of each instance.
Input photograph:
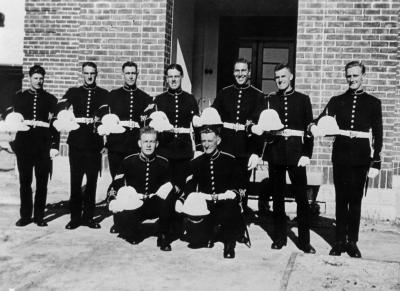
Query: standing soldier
(290, 151)
(129, 104)
(357, 114)
(180, 107)
(35, 147)
(239, 105)
(85, 146)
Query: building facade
(317, 37)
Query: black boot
(229, 249)
(163, 243)
(352, 250)
(338, 248)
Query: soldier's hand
(303, 161)
(178, 206)
(228, 194)
(254, 160)
(372, 173)
(256, 129)
(104, 151)
(7, 136)
(53, 153)
(315, 131)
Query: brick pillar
(332, 33)
(61, 35)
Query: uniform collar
(285, 93)
(129, 88)
(239, 87)
(356, 92)
(175, 92)
(214, 155)
(147, 159)
(89, 87)
(33, 92)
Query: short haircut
(282, 66)
(174, 66)
(129, 64)
(147, 130)
(355, 64)
(211, 129)
(241, 61)
(89, 64)
(36, 69)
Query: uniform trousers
(41, 163)
(126, 222)
(227, 214)
(83, 162)
(349, 184)
(298, 178)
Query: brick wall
(61, 35)
(332, 33)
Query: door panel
(263, 57)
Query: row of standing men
(239, 105)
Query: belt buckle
(236, 126)
(352, 134)
(87, 120)
(214, 197)
(285, 132)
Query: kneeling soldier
(148, 174)
(214, 175)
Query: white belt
(35, 123)
(290, 132)
(129, 123)
(180, 130)
(356, 134)
(234, 126)
(86, 120)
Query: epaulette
(227, 87)
(131, 156)
(230, 155)
(256, 89)
(161, 157)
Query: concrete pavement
(53, 258)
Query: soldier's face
(37, 81)
(210, 142)
(241, 73)
(354, 77)
(174, 79)
(148, 143)
(89, 75)
(283, 78)
(130, 75)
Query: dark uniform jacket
(295, 111)
(144, 174)
(128, 104)
(39, 106)
(180, 107)
(238, 104)
(358, 111)
(213, 174)
(86, 102)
